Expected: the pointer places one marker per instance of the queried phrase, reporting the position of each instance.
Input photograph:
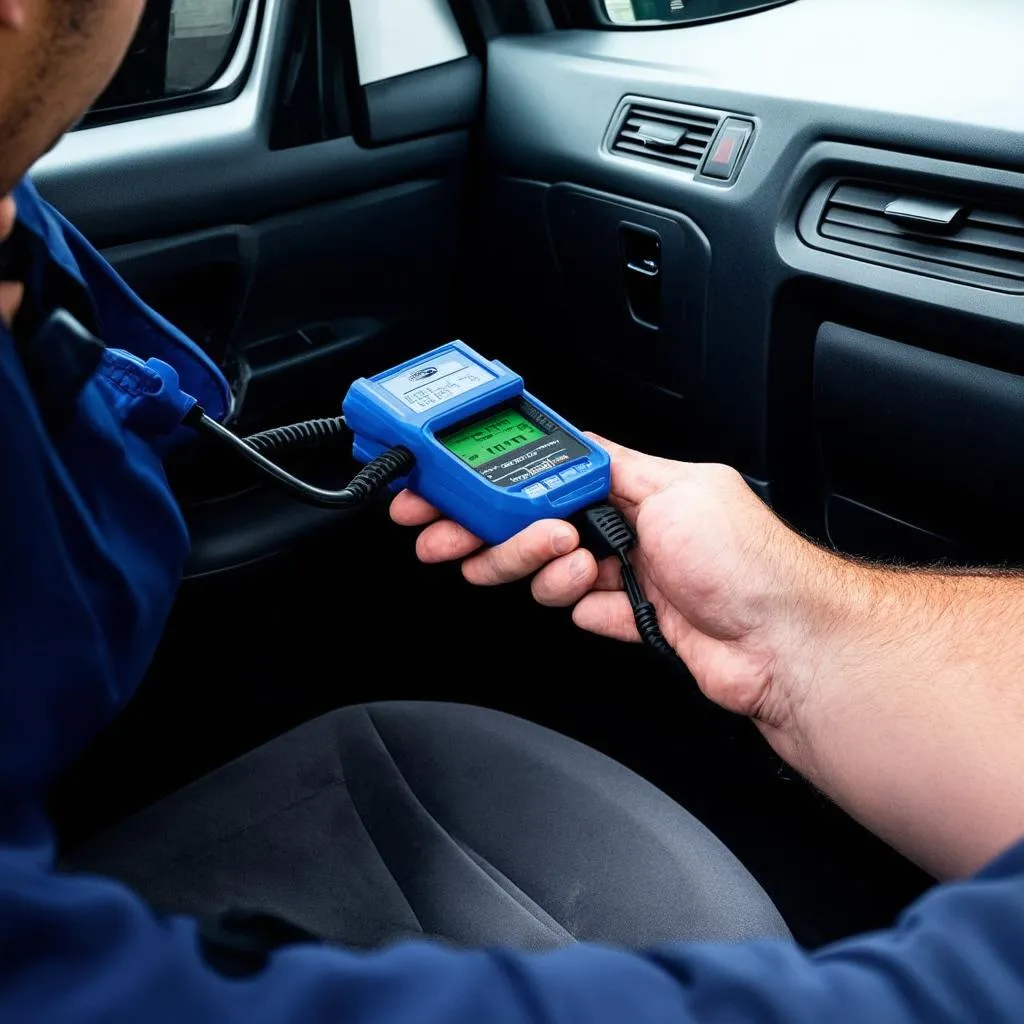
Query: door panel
(737, 385)
(304, 231)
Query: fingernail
(579, 566)
(564, 542)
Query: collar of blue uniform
(124, 320)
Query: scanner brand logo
(424, 374)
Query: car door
(283, 179)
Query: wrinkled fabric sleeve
(86, 950)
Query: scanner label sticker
(427, 385)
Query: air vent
(941, 236)
(673, 135)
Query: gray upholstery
(387, 821)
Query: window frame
(246, 30)
(594, 14)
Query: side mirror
(646, 13)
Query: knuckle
(499, 562)
(492, 567)
(453, 541)
(525, 553)
(540, 547)
(725, 476)
(441, 542)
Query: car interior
(785, 236)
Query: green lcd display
(490, 438)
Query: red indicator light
(724, 149)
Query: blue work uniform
(91, 553)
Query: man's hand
(896, 692)
(717, 564)
(11, 292)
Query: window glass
(181, 47)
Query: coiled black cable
(375, 475)
(646, 617)
(606, 532)
(298, 436)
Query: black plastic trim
(251, 527)
(425, 102)
(932, 440)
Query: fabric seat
(389, 821)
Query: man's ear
(12, 14)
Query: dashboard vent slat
(968, 237)
(997, 219)
(967, 259)
(676, 136)
(967, 241)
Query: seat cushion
(386, 821)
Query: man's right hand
(718, 565)
(897, 692)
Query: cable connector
(604, 531)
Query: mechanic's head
(56, 57)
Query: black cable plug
(604, 531)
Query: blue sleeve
(88, 951)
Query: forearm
(904, 701)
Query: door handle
(641, 259)
(644, 267)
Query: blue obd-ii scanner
(487, 454)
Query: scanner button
(535, 490)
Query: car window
(180, 49)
